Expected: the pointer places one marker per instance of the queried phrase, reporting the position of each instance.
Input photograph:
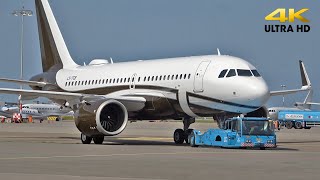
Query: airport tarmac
(145, 150)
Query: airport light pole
(22, 12)
(283, 88)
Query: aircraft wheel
(289, 124)
(178, 136)
(98, 139)
(187, 134)
(85, 139)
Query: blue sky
(142, 29)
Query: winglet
(218, 52)
(304, 75)
(306, 84)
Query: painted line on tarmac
(141, 154)
(143, 138)
(57, 176)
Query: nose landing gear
(179, 135)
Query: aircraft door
(198, 78)
(133, 80)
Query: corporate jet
(40, 111)
(105, 95)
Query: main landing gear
(87, 139)
(181, 135)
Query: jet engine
(261, 112)
(104, 117)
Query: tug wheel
(178, 136)
(192, 140)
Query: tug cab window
(244, 72)
(255, 73)
(232, 72)
(223, 73)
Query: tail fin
(54, 52)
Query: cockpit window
(255, 73)
(231, 73)
(223, 73)
(244, 72)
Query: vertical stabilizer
(54, 52)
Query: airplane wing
(30, 83)
(306, 84)
(312, 103)
(132, 103)
(37, 93)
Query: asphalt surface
(145, 150)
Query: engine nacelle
(261, 112)
(106, 118)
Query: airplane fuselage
(173, 88)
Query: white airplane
(299, 106)
(105, 95)
(40, 111)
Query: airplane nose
(259, 92)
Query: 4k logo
(283, 17)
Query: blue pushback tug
(238, 132)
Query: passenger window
(103, 81)
(185, 76)
(255, 73)
(223, 73)
(66, 84)
(152, 78)
(160, 78)
(189, 76)
(180, 76)
(177, 76)
(156, 78)
(144, 79)
(244, 72)
(231, 73)
(148, 78)
(139, 79)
